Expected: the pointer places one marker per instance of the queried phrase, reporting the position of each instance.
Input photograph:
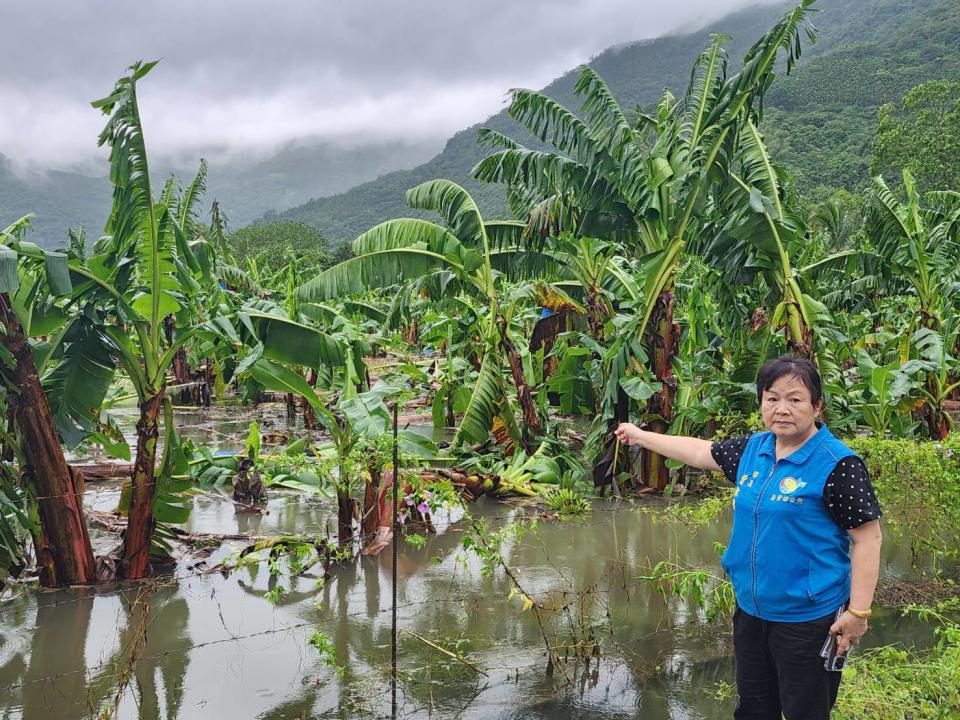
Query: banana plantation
(200, 451)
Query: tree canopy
(921, 134)
(274, 244)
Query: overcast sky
(244, 76)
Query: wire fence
(370, 685)
(125, 587)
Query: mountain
(819, 124)
(301, 171)
(819, 120)
(246, 188)
(822, 119)
(58, 199)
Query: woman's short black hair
(788, 365)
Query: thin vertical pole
(394, 543)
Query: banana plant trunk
(181, 367)
(938, 424)
(531, 418)
(309, 417)
(799, 334)
(344, 517)
(64, 554)
(449, 414)
(188, 395)
(411, 333)
(596, 313)
(654, 470)
(135, 562)
(7, 452)
(344, 509)
(371, 508)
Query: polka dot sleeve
(727, 454)
(848, 494)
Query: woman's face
(787, 409)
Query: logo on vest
(790, 485)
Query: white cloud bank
(239, 76)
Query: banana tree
(839, 218)
(213, 288)
(63, 550)
(193, 276)
(918, 243)
(131, 284)
(282, 346)
(919, 246)
(942, 370)
(399, 251)
(359, 416)
(758, 231)
(883, 394)
(449, 330)
(643, 182)
(586, 268)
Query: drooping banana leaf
(58, 273)
(505, 233)
(278, 378)
(77, 384)
(543, 172)
(9, 281)
(487, 395)
(551, 123)
(288, 341)
(455, 206)
(411, 232)
(366, 413)
(380, 269)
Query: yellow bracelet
(863, 614)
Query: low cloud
(246, 77)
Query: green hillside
(820, 123)
(58, 200)
(302, 171)
(820, 120)
(246, 188)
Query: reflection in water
(57, 649)
(60, 679)
(216, 648)
(160, 660)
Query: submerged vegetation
(652, 261)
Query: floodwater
(209, 646)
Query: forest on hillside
(820, 122)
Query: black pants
(779, 669)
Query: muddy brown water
(216, 648)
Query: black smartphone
(833, 661)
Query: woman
(805, 543)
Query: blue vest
(788, 559)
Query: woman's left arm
(864, 571)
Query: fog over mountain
(244, 79)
